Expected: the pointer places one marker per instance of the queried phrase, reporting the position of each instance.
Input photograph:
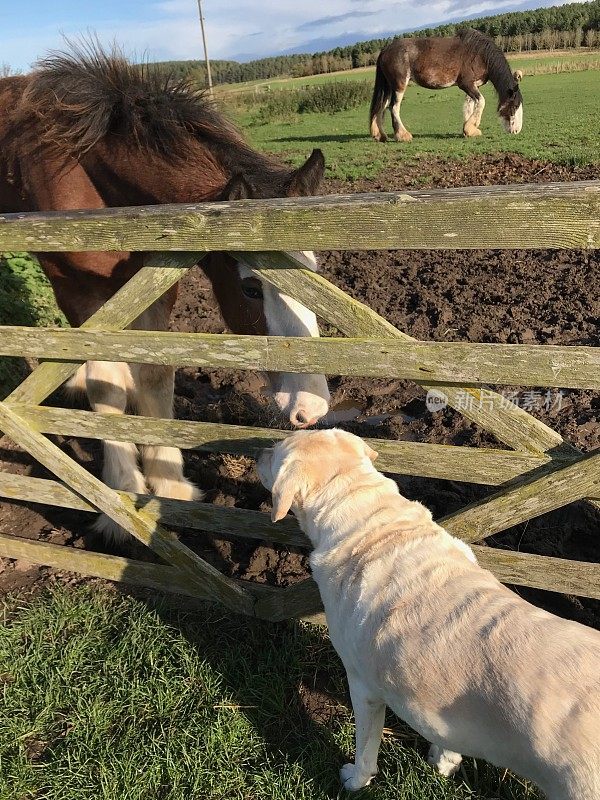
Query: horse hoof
(403, 137)
(382, 138)
(472, 132)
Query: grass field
(112, 698)
(561, 124)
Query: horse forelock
(77, 99)
(87, 94)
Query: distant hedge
(328, 98)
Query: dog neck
(330, 513)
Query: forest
(554, 28)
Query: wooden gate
(538, 472)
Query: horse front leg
(479, 106)
(163, 466)
(154, 390)
(108, 386)
(400, 132)
(472, 112)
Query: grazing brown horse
(89, 130)
(467, 60)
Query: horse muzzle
(303, 399)
(514, 123)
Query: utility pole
(208, 75)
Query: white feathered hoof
(111, 532)
(180, 489)
(446, 762)
(353, 780)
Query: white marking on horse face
(304, 398)
(514, 123)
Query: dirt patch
(441, 173)
(543, 296)
(319, 705)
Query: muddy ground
(545, 297)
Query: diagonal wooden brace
(123, 308)
(547, 488)
(509, 423)
(192, 570)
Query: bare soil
(543, 296)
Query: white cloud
(171, 28)
(180, 7)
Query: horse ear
(305, 181)
(238, 188)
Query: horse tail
(382, 94)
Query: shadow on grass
(329, 137)
(281, 676)
(351, 137)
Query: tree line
(557, 27)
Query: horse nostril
(299, 418)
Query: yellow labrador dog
(421, 628)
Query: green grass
(26, 298)
(561, 124)
(112, 698)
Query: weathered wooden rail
(549, 215)
(538, 472)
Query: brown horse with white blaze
(89, 130)
(467, 60)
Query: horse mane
(500, 73)
(82, 96)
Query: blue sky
(242, 29)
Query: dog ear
(284, 491)
(372, 454)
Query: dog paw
(446, 762)
(352, 779)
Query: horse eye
(252, 289)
